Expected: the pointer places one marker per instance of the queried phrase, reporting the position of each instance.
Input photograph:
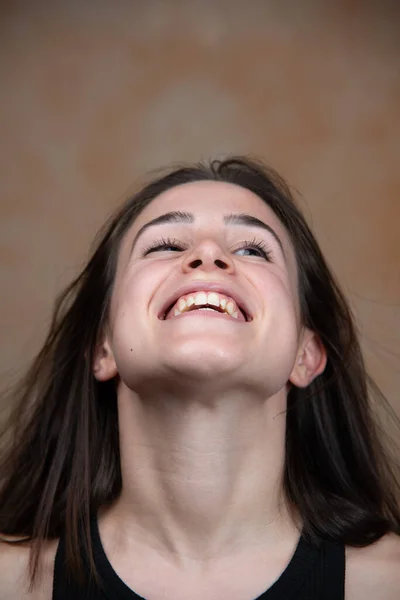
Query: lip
(206, 286)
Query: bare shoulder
(373, 572)
(14, 577)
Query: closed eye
(257, 247)
(164, 244)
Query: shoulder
(373, 572)
(14, 572)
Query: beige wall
(95, 93)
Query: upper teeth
(228, 305)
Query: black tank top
(312, 574)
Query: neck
(202, 477)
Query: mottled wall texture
(95, 93)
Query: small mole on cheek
(131, 349)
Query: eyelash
(162, 243)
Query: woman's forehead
(209, 200)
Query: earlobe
(310, 361)
(104, 367)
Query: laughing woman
(199, 422)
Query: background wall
(95, 93)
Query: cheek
(287, 296)
(129, 340)
(131, 289)
(128, 310)
(280, 323)
(279, 293)
(132, 301)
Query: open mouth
(203, 301)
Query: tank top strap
(315, 572)
(64, 587)
(334, 571)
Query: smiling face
(205, 290)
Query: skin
(202, 414)
(202, 400)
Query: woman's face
(196, 246)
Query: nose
(207, 256)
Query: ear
(104, 367)
(310, 361)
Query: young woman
(198, 423)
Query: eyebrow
(178, 216)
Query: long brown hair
(60, 458)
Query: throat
(196, 477)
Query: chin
(198, 363)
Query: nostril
(195, 263)
(221, 264)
